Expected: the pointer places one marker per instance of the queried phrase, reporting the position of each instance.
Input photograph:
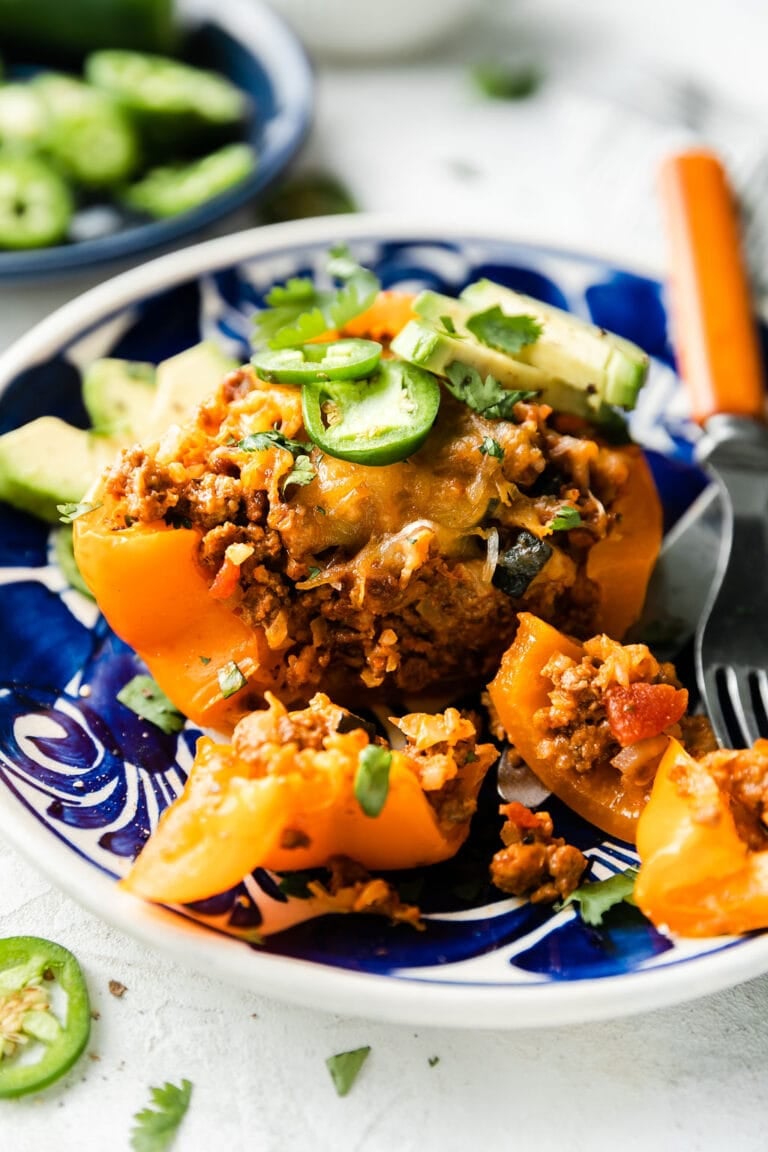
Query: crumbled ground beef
(533, 862)
(378, 578)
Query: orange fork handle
(715, 333)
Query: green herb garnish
(506, 82)
(487, 396)
(372, 778)
(567, 517)
(313, 571)
(69, 512)
(298, 311)
(595, 899)
(491, 447)
(205, 659)
(296, 884)
(65, 558)
(146, 699)
(307, 194)
(155, 1127)
(261, 441)
(509, 334)
(345, 1068)
(231, 679)
(432, 1060)
(303, 472)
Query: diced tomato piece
(643, 710)
(518, 814)
(226, 580)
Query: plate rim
(269, 38)
(406, 1000)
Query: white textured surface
(575, 166)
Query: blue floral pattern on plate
(97, 777)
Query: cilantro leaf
(372, 778)
(260, 441)
(506, 82)
(65, 557)
(595, 899)
(303, 472)
(231, 679)
(491, 447)
(297, 311)
(567, 517)
(296, 884)
(146, 699)
(345, 1068)
(505, 333)
(487, 397)
(69, 511)
(155, 1127)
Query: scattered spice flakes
(117, 988)
(345, 1067)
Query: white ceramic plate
(81, 779)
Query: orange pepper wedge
(518, 691)
(621, 563)
(698, 877)
(156, 597)
(299, 813)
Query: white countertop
(575, 165)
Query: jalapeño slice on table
(338, 360)
(34, 975)
(379, 420)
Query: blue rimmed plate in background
(251, 45)
(82, 779)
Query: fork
(719, 359)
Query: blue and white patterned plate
(249, 43)
(82, 779)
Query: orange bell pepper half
(621, 563)
(155, 595)
(698, 875)
(273, 799)
(519, 690)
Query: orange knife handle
(715, 332)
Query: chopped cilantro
(345, 1068)
(146, 699)
(594, 899)
(567, 517)
(155, 1127)
(303, 472)
(231, 679)
(372, 778)
(307, 194)
(205, 659)
(313, 571)
(487, 397)
(69, 512)
(505, 333)
(491, 447)
(505, 81)
(65, 558)
(432, 1060)
(298, 311)
(260, 441)
(296, 884)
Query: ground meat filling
(578, 731)
(533, 862)
(382, 577)
(742, 777)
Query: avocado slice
(49, 462)
(569, 348)
(184, 381)
(119, 396)
(573, 365)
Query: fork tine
(709, 675)
(739, 684)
